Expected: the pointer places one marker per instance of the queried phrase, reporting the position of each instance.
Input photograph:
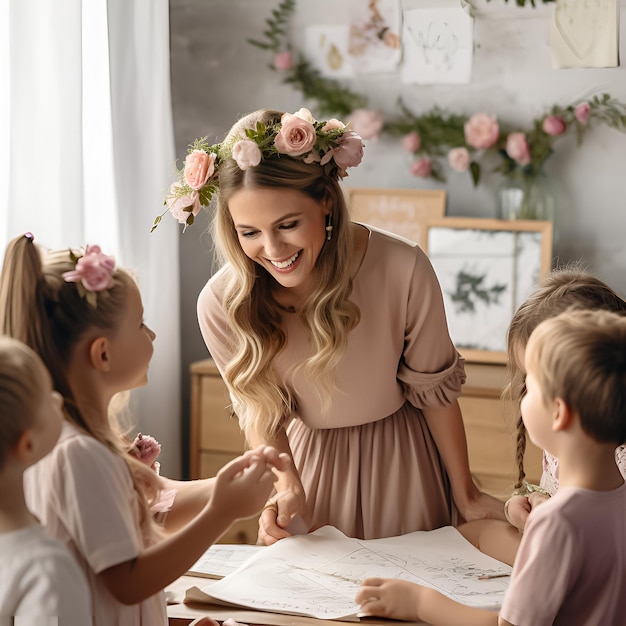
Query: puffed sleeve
(214, 326)
(431, 371)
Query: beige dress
(370, 466)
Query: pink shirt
(570, 569)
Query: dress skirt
(380, 479)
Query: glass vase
(527, 197)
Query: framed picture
(486, 269)
(403, 212)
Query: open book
(319, 574)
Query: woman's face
(283, 230)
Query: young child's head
(561, 290)
(30, 411)
(580, 357)
(43, 307)
(84, 318)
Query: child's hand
(391, 598)
(517, 509)
(242, 486)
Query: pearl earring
(329, 227)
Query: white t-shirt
(570, 569)
(83, 494)
(40, 579)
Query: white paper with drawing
(319, 574)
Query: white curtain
(87, 153)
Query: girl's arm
(288, 502)
(448, 431)
(191, 498)
(239, 490)
(403, 600)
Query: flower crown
(93, 272)
(297, 136)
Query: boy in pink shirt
(570, 569)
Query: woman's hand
(480, 506)
(285, 513)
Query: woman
(330, 335)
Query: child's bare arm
(239, 490)
(400, 599)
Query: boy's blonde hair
(563, 288)
(580, 357)
(23, 378)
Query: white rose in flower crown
(304, 114)
(296, 137)
(246, 153)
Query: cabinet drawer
(491, 447)
(217, 429)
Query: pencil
(489, 576)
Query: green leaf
(475, 172)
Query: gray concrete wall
(217, 76)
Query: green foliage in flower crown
(331, 97)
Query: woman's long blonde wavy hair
(48, 314)
(262, 401)
(564, 288)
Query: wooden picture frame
(486, 269)
(403, 212)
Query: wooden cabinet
(215, 437)
(490, 426)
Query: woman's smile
(283, 230)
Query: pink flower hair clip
(93, 273)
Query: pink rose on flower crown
(199, 167)
(582, 112)
(481, 130)
(297, 135)
(366, 123)
(554, 125)
(247, 154)
(178, 203)
(282, 61)
(333, 124)
(348, 153)
(94, 270)
(459, 159)
(421, 167)
(517, 148)
(411, 142)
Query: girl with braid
(569, 287)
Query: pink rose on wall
(517, 148)
(297, 135)
(554, 125)
(283, 61)
(411, 142)
(199, 167)
(94, 270)
(368, 124)
(459, 159)
(582, 112)
(481, 131)
(246, 153)
(421, 167)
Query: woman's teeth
(281, 265)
